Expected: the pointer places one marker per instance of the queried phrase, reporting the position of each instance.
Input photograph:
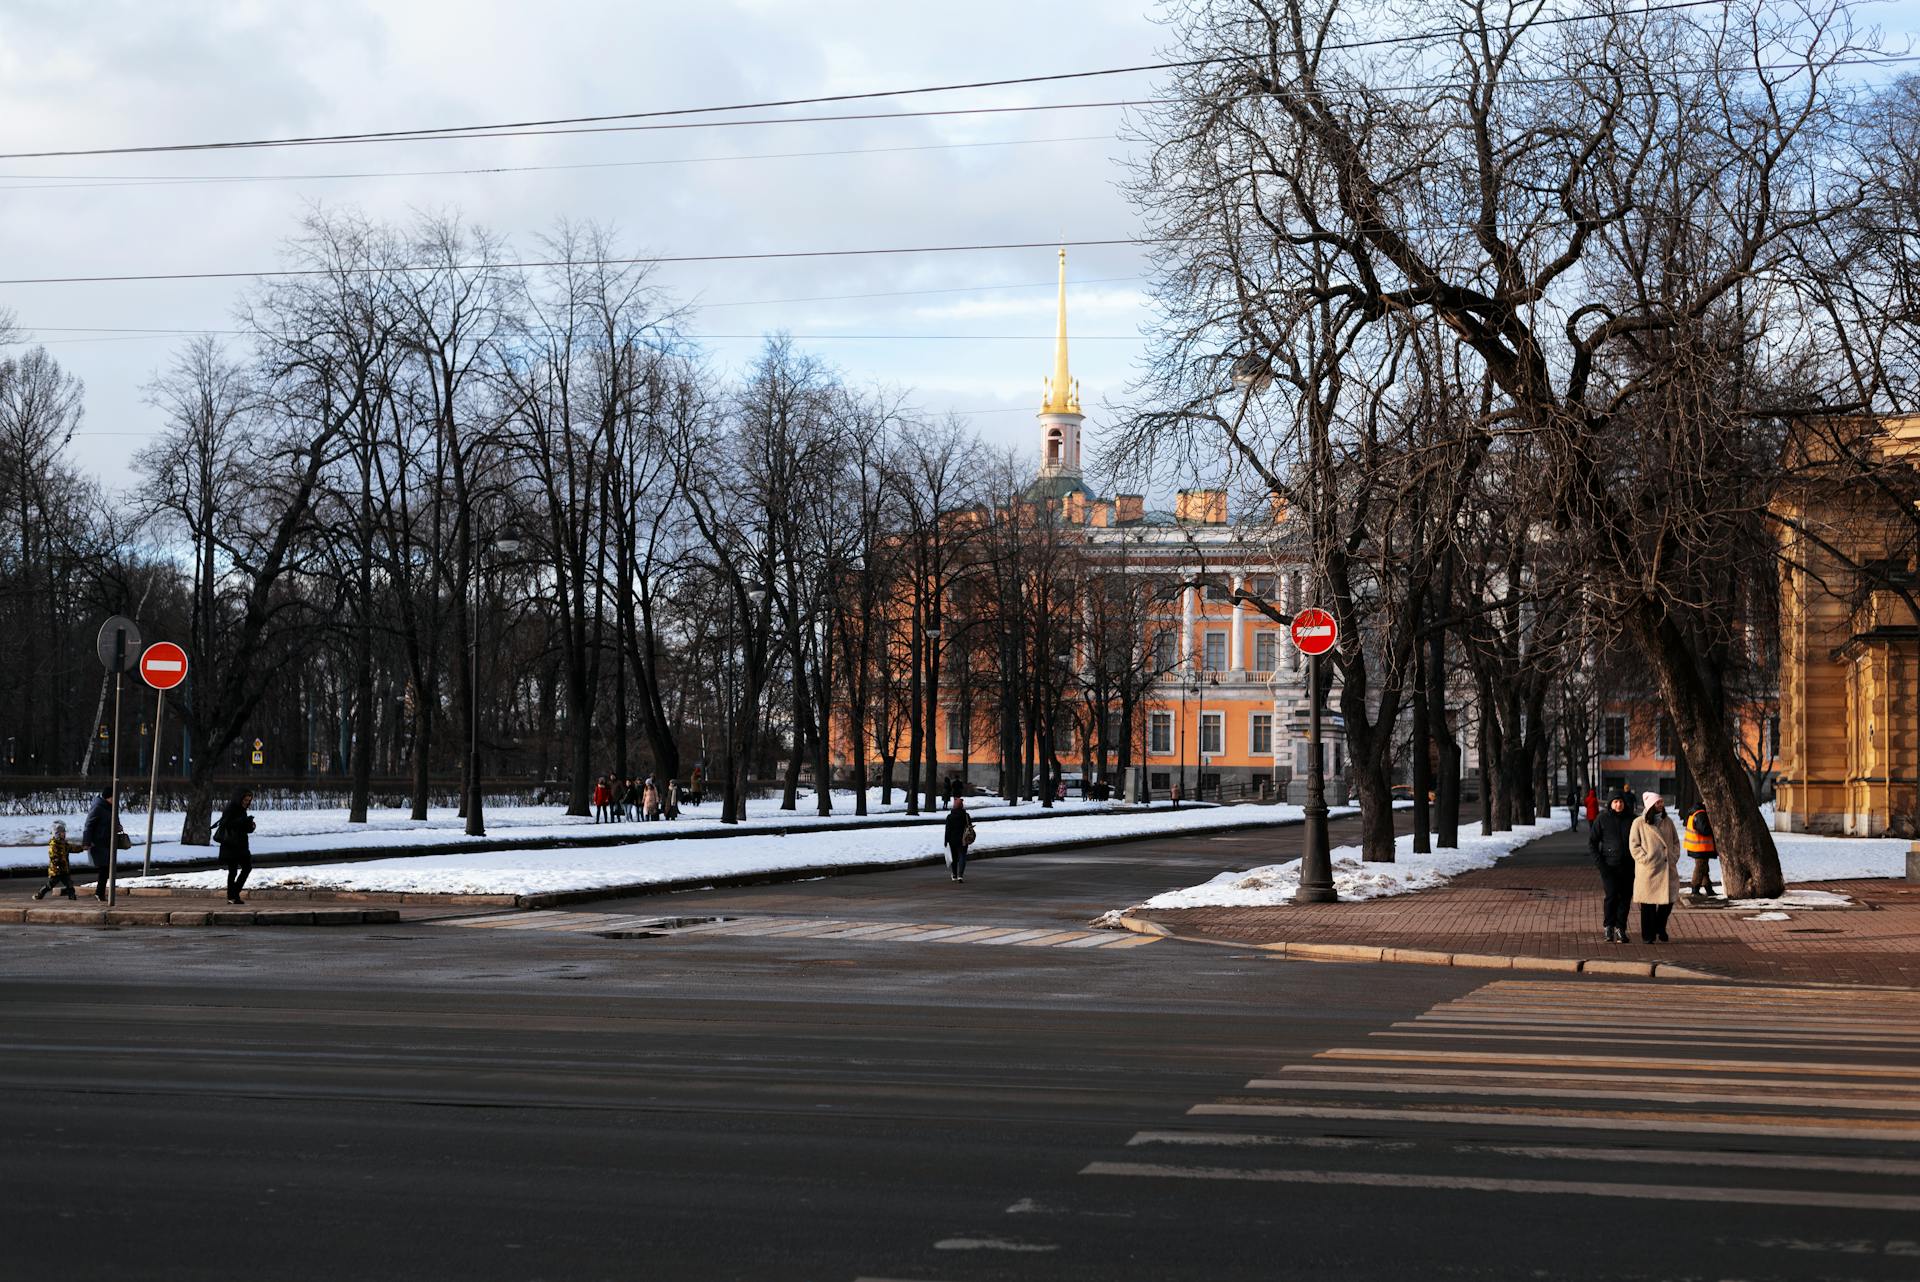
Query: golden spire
(1062, 394)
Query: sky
(963, 332)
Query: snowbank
(303, 832)
(654, 863)
(1275, 884)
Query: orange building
(1227, 704)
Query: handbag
(969, 834)
(121, 841)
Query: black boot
(40, 893)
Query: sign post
(118, 643)
(1315, 632)
(163, 667)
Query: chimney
(1128, 508)
(1201, 507)
(1277, 507)
(1074, 508)
(1102, 513)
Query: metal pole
(113, 813)
(153, 779)
(1316, 868)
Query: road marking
(1613, 1032)
(1348, 1072)
(992, 1244)
(1549, 1152)
(1050, 939)
(1799, 1100)
(1619, 1061)
(1133, 941)
(1557, 1188)
(818, 928)
(1593, 1120)
(1629, 1040)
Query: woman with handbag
(236, 850)
(959, 835)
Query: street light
(506, 542)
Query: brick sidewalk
(1544, 901)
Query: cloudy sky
(968, 332)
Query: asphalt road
(436, 1101)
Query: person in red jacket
(601, 798)
(1592, 806)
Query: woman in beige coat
(1654, 844)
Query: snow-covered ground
(279, 832)
(1803, 858)
(654, 863)
(1352, 879)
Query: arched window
(1053, 446)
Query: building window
(1063, 736)
(1294, 603)
(1260, 734)
(1160, 734)
(1213, 733)
(1293, 658)
(1613, 737)
(1215, 658)
(1160, 781)
(1219, 592)
(1053, 446)
(956, 733)
(1263, 586)
(1773, 735)
(1663, 740)
(1168, 590)
(1266, 651)
(1163, 643)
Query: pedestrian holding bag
(969, 834)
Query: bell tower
(1060, 416)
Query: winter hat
(60, 829)
(1648, 800)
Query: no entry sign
(164, 665)
(1314, 631)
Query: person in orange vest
(1697, 841)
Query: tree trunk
(1420, 772)
(1748, 860)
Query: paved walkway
(1544, 901)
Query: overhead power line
(643, 260)
(551, 124)
(35, 182)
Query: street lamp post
(506, 542)
(1316, 867)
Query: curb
(1426, 957)
(199, 917)
(771, 877)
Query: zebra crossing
(1732, 1095)
(848, 930)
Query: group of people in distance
(616, 800)
(102, 837)
(1639, 860)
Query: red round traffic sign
(1314, 631)
(164, 665)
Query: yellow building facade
(1849, 697)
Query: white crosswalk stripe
(1833, 1074)
(823, 929)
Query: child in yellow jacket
(59, 862)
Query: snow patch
(1275, 884)
(1771, 917)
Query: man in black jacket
(958, 833)
(1607, 843)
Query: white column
(1236, 644)
(1187, 596)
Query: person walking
(600, 801)
(693, 787)
(101, 837)
(1655, 848)
(1697, 841)
(1608, 840)
(650, 801)
(958, 836)
(672, 804)
(233, 832)
(1592, 806)
(59, 864)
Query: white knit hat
(1648, 800)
